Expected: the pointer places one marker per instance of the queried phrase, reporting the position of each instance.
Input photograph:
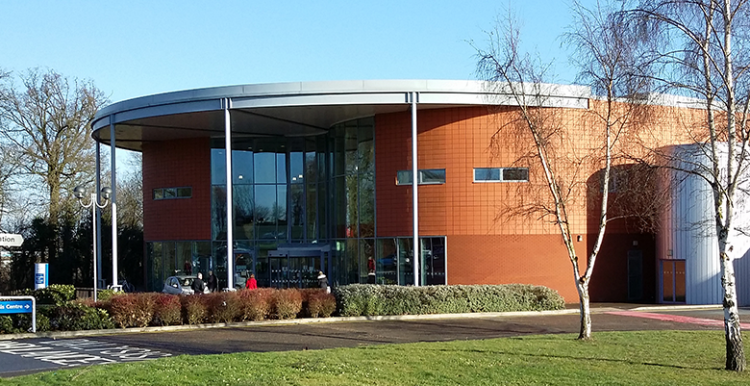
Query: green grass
(614, 358)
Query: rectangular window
(403, 177)
(516, 174)
(501, 174)
(184, 192)
(173, 193)
(426, 177)
(486, 174)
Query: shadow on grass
(579, 358)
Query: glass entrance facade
(315, 190)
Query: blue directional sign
(16, 307)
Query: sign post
(41, 275)
(10, 240)
(19, 305)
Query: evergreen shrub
(73, 316)
(372, 300)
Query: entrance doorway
(244, 265)
(673, 281)
(635, 275)
(298, 266)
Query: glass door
(244, 265)
(294, 271)
(673, 281)
(279, 272)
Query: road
(43, 354)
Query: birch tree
(605, 56)
(701, 48)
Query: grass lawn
(612, 358)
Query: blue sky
(135, 48)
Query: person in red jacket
(251, 283)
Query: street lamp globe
(79, 192)
(106, 193)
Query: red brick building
(321, 179)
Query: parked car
(180, 285)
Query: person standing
(251, 283)
(323, 282)
(213, 282)
(198, 285)
(371, 279)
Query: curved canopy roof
(300, 108)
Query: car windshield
(186, 281)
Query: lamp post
(80, 193)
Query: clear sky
(134, 48)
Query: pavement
(30, 353)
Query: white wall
(688, 231)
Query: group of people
(199, 286)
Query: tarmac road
(24, 356)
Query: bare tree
(8, 168)
(701, 48)
(599, 37)
(130, 195)
(47, 122)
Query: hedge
(59, 312)
(54, 294)
(372, 300)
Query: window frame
(501, 175)
(421, 176)
(176, 193)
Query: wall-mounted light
(580, 238)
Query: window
(426, 177)
(173, 193)
(501, 174)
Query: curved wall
(688, 232)
(485, 244)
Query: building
(321, 179)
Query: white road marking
(77, 352)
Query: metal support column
(113, 156)
(230, 206)
(98, 215)
(414, 184)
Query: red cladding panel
(179, 163)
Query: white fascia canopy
(300, 108)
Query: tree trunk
(732, 331)
(583, 297)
